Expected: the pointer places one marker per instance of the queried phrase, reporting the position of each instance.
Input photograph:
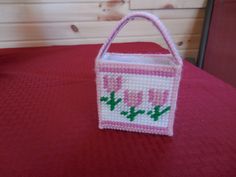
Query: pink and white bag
(138, 92)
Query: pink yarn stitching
(112, 83)
(157, 97)
(132, 98)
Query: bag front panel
(134, 97)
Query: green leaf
(103, 98)
(118, 100)
(149, 112)
(124, 113)
(165, 110)
(141, 112)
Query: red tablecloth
(49, 123)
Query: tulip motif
(132, 99)
(111, 85)
(158, 99)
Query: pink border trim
(137, 71)
(175, 88)
(133, 127)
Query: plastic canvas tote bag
(138, 92)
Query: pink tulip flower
(133, 98)
(112, 83)
(157, 97)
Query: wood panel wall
(26, 23)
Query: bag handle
(155, 21)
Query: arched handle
(156, 22)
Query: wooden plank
(11, 13)
(55, 1)
(167, 4)
(177, 13)
(62, 12)
(182, 41)
(103, 11)
(191, 53)
(42, 31)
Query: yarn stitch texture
(138, 96)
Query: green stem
(157, 113)
(112, 101)
(133, 113)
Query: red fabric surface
(49, 123)
(220, 58)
